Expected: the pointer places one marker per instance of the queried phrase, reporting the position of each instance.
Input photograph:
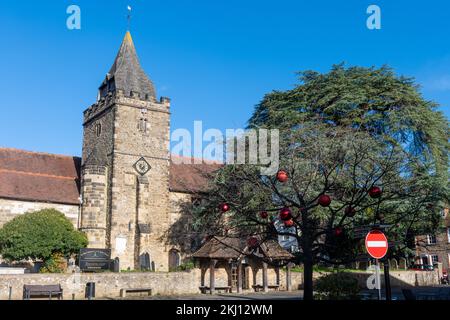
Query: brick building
(125, 192)
(433, 248)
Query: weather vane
(129, 17)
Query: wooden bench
(259, 287)
(49, 291)
(123, 292)
(218, 289)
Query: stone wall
(180, 234)
(108, 285)
(401, 279)
(9, 209)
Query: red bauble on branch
(375, 192)
(264, 214)
(224, 207)
(252, 242)
(324, 200)
(350, 211)
(282, 176)
(285, 214)
(338, 231)
(289, 223)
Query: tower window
(143, 125)
(98, 129)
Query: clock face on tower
(142, 166)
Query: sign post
(377, 247)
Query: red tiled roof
(33, 176)
(190, 177)
(36, 176)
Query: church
(125, 192)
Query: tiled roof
(33, 176)
(233, 248)
(39, 176)
(190, 177)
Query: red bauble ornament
(285, 214)
(289, 223)
(375, 192)
(224, 207)
(252, 242)
(264, 215)
(350, 211)
(282, 176)
(338, 231)
(324, 200)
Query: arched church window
(98, 129)
(174, 259)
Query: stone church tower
(125, 165)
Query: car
(422, 267)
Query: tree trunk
(308, 280)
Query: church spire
(126, 74)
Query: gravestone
(402, 264)
(144, 261)
(393, 264)
(363, 265)
(116, 265)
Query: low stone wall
(403, 279)
(400, 279)
(107, 284)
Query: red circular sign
(376, 244)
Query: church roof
(189, 177)
(43, 177)
(126, 73)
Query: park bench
(124, 291)
(226, 289)
(49, 291)
(259, 287)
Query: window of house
(434, 258)
(431, 239)
(98, 129)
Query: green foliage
(57, 263)
(39, 236)
(337, 286)
(369, 99)
(189, 265)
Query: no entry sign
(376, 244)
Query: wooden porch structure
(233, 255)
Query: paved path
(280, 295)
(283, 295)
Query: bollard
(90, 290)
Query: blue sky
(215, 59)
